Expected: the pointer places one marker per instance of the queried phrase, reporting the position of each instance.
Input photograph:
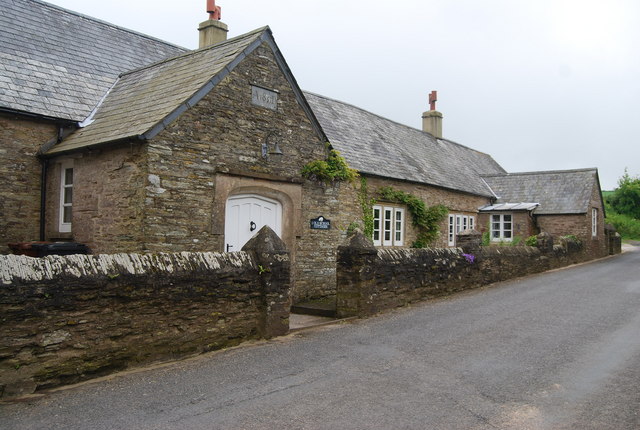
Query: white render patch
(155, 186)
(21, 269)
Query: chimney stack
(213, 30)
(432, 119)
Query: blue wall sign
(320, 223)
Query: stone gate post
(274, 265)
(354, 276)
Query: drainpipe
(43, 196)
(43, 178)
(534, 221)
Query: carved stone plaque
(263, 97)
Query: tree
(626, 198)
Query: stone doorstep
(321, 308)
(299, 321)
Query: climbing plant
(334, 168)
(425, 219)
(366, 204)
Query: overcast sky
(539, 85)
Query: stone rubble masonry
(169, 194)
(522, 224)
(371, 280)
(274, 267)
(20, 177)
(315, 264)
(457, 203)
(222, 136)
(108, 196)
(72, 318)
(579, 225)
(614, 240)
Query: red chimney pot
(215, 12)
(433, 98)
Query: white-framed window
(502, 227)
(594, 222)
(388, 226)
(452, 230)
(458, 223)
(66, 197)
(377, 219)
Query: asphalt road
(555, 351)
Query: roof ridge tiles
(254, 33)
(540, 172)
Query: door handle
(252, 226)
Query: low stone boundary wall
(66, 319)
(371, 280)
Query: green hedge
(628, 227)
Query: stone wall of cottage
(579, 225)
(20, 172)
(108, 197)
(193, 163)
(522, 223)
(72, 318)
(457, 202)
(315, 264)
(214, 151)
(562, 225)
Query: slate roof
(57, 63)
(379, 146)
(557, 192)
(144, 101)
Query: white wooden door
(246, 215)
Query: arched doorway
(245, 214)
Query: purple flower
(469, 257)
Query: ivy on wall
(334, 168)
(425, 219)
(366, 204)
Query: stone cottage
(142, 146)
(557, 202)
(55, 66)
